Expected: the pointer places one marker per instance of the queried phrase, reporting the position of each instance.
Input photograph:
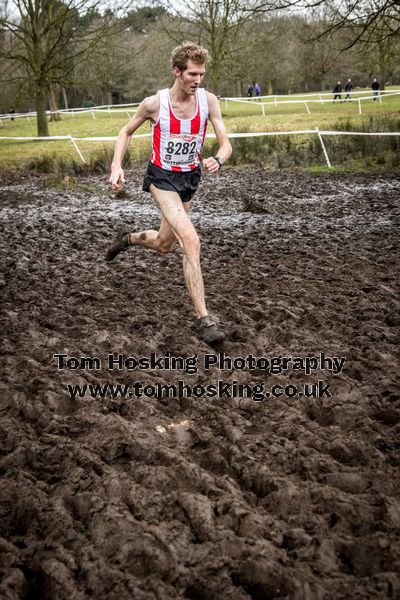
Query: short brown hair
(189, 51)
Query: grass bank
(280, 151)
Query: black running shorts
(185, 184)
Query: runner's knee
(191, 244)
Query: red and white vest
(177, 143)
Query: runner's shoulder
(150, 105)
(213, 103)
(211, 97)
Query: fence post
(77, 149)
(328, 162)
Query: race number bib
(180, 149)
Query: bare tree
(47, 39)
(128, 65)
(217, 25)
(370, 21)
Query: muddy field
(208, 498)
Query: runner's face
(191, 77)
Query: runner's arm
(225, 148)
(148, 109)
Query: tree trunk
(239, 88)
(42, 125)
(382, 65)
(55, 115)
(64, 93)
(215, 85)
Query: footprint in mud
(258, 315)
(369, 555)
(263, 579)
(61, 405)
(199, 511)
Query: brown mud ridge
(202, 498)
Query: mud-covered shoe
(120, 244)
(208, 331)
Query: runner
(179, 120)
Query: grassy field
(239, 117)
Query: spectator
(347, 88)
(337, 91)
(258, 89)
(250, 90)
(375, 88)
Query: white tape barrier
(310, 101)
(377, 133)
(44, 139)
(305, 95)
(110, 138)
(73, 111)
(316, 131)
(306, 103)
(251, 100)
(103, 106)
(99, 110)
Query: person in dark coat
(375, 88)
(337, 91)
(347, 88)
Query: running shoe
(208, 331)
(120, 244)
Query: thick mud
(202, 498)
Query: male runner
(179, 119)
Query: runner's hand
(117, 178)
(211, 165)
